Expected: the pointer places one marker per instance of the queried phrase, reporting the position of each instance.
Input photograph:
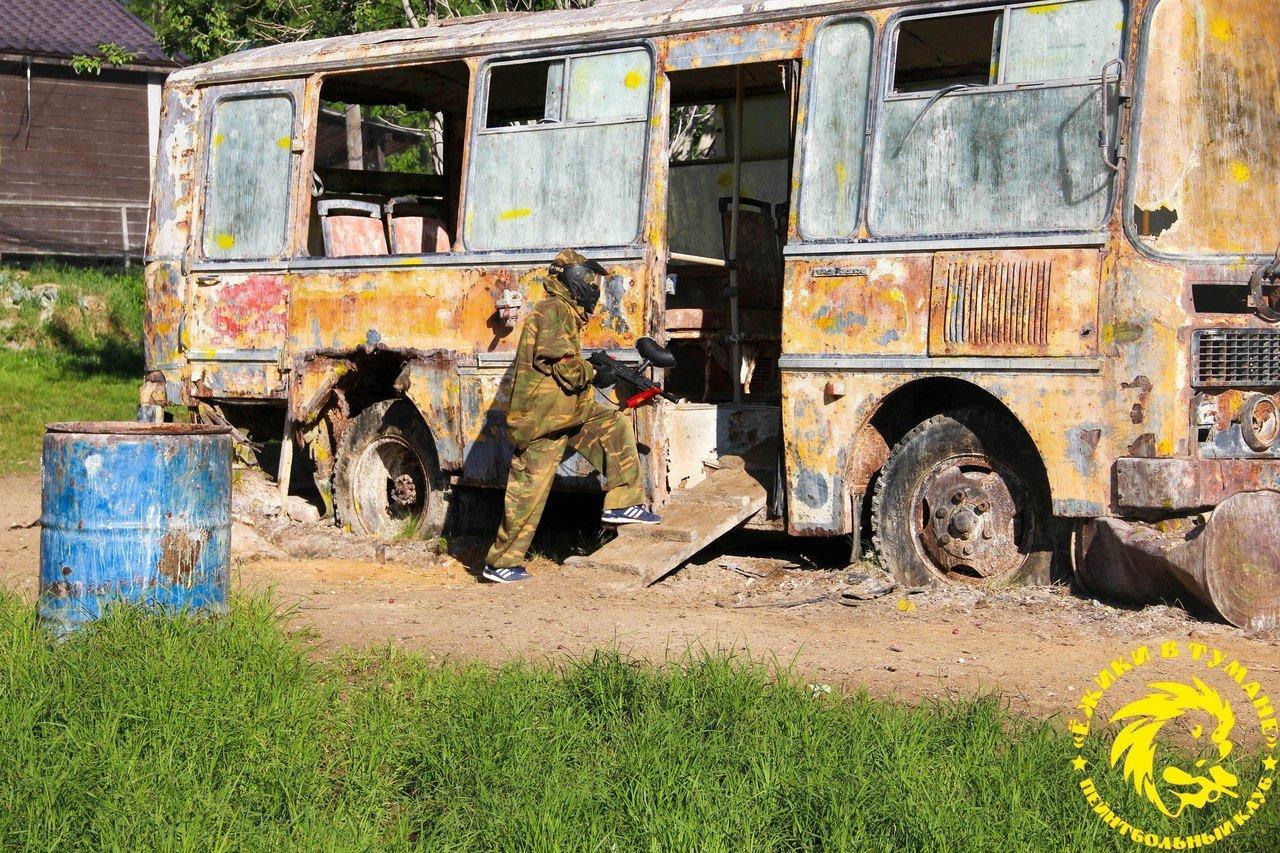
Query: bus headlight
(1260, 422)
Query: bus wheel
(961, 500)
(387, 481)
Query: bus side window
(965, 146)
(834, 131)
(388, 160)
(560, 158)
(247, 190)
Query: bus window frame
(250, 91)
(479, 118)
(885, 94)
(807, 95)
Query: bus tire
(387, 480)
(963, 499)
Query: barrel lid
(136, 428)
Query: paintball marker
(609, 371)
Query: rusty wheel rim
(969, 520)
(390, 485)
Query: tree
(206, 29)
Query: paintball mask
(581, 276)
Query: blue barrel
(134, 512)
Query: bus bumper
(1182, 484)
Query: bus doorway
(731, 142)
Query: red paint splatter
(251, 310)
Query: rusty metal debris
(1230, 562)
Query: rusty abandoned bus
(992, 282)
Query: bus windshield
(1207, 177)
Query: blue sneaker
(631, 515)
(505, 575)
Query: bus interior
(731, 142)
(388, 161)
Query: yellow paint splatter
(514, 214)
(633, 80)
(1221, 29)
(725, 180)
(218, 139)
(1240, 171)
(1044, 8)
(409, 262)
(842, 174)
(285, 142)
(1164, 447)
(896, 295)
(224, 241)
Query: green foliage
(147, 733)
(70, 349)
(206, 29)
(109, 53)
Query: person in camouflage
(554, 409)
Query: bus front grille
(1236, 358)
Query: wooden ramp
(690, 522)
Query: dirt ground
(1038, 647)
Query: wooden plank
(692, 521)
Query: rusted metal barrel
(1229, 563)
(133, 512)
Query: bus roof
(452, 38)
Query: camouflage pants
(607, 440)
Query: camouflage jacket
(552, 387)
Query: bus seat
(351, 228)
(759, 254)
(693, 320)
(414, 228)
(754, 323)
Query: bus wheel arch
(387, 464)
(950, 449)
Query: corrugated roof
(66, 28)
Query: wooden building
(76, 149)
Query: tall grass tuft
(193, 734)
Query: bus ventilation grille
(993, 302)
(1236, 358)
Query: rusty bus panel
(435, 388)
(737, 45)
(250, 380)
(850, 304)
(825, 468)
(175, 172)
(237, 312)
(425, 308)
(313, 382)
(484, 401)
(1034, 302)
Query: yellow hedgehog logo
(1137, 745)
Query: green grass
(78, 357)
(185, 734)
(38, 388)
